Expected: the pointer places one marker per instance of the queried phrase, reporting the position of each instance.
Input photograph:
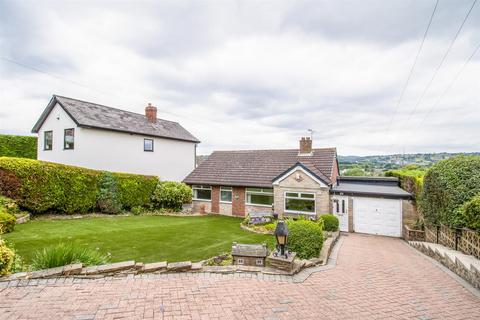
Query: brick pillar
(350, 215)
(238, 201)
(215, 199)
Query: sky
(255, 74)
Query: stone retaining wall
(472, 275)
(132, 267)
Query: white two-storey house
(90, 135)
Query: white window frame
(259, 193)
(226, 189)
(201, 187)
(314, 199)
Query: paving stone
(197, 266)
(72, 269)
(179, 266)
(46, 273)
(117, 266)
(155, 266)
(374, 278)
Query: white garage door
(377, 216)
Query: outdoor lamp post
(281, 234)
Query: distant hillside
(425, 159)
(377, 165)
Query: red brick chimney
(305, 146)
(151, 113)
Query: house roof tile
(258, 168)
(92, 115)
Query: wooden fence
(464, 240)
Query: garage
(375, 204)
(377, 216)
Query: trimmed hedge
(330, 222)
(18, 146)
(471, 213)
(135, 190)
(447, 186)
(411, 178)
(40, 186)
(305, 237)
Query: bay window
(202, 193)
(300, 202)
(259, 196)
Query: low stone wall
(23, 219)
(470, 274)
(131, 267)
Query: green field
(139, 238)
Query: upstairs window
(202, 192)
(260, 196)
(300, 202)
(47, 140)
(225, 194)
(148, 145)
(69, 139)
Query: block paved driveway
(375, 278)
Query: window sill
(258, 205)
(226, 202)
(67, 149)
(301, 212)
(204, 200)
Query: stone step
(465, 259)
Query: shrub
(470, 212)
(411, 178)
(63, 254)
(7, 222)
(7, 257)
(305, 238)
(108, 200)
(330, 222)
(40, 186)
(137, 210)
(172, 195)
(18, 146)
(447, 186)
(135, 190)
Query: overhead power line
(450, 85)
(442, 61)
(412, 68)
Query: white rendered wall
(116, 151)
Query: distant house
(90, 135)
(298, 182)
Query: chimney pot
(151, 113)
(305, 146)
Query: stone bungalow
(293, 182)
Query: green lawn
(140, 238)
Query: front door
(340, 210)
